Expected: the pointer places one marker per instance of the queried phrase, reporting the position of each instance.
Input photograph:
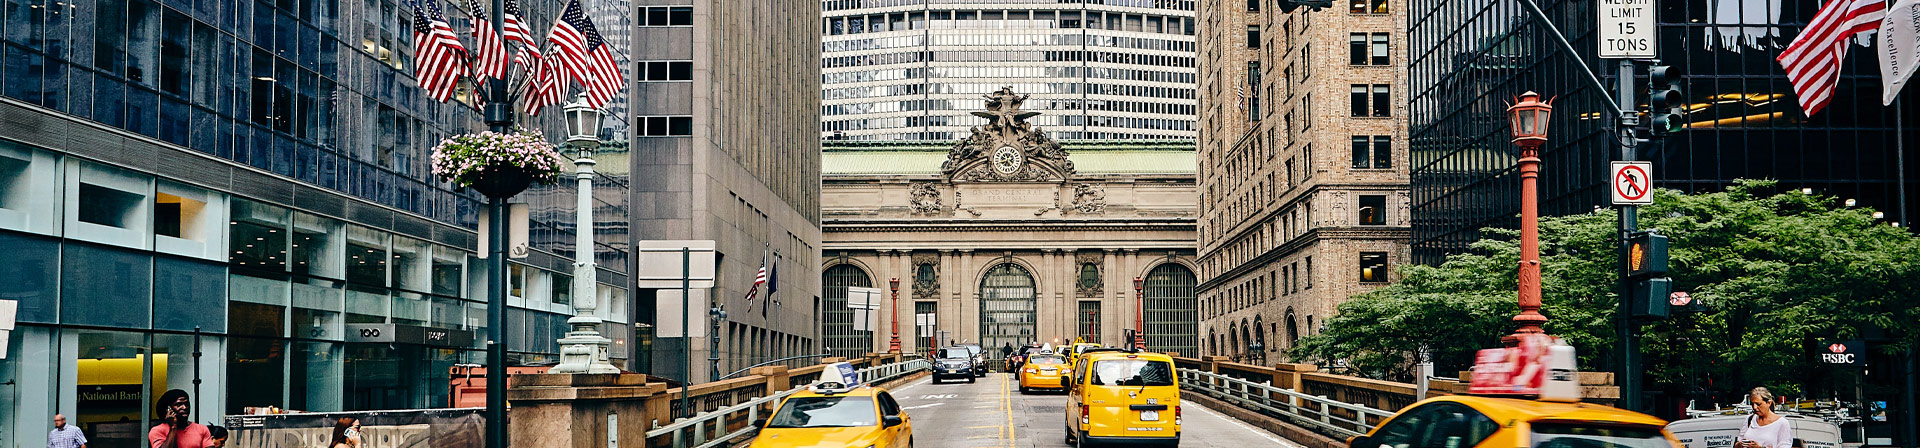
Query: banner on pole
(1899, 47)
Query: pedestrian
(176, 430)
(1765, 428)
(1006, 351)
(346, 433)
(65, 435)
(219, 435)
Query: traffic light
(1288, 6)
(1646, 255)
(1664, 99)
(1650, 297)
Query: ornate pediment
(1007, 148)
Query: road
(991, 412)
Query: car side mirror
(891, 421)
(760, 422)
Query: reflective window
(1373, 267)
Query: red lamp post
(1530, 117)
(893, 345)
(1140, 313)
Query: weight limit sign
(1632, 183)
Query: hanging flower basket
(498, 165)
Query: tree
(1781, 271)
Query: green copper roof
(1093, 157)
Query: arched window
(1173, 313)
(1007, 307)
(1259, 338)
(836, 320)
(1293, 330)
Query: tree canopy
(1780, 272)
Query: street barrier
(721, 426)
(1325, 415)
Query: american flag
(1813, 59)
(607, 78)
(566, 37)
(758, 279)
(514, 28)
(492, 60)
(439, 59)
(543, 81)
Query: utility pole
(1629, 378)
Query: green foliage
(1780, 271)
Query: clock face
(1008, 160)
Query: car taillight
(1176, 414)
(1084, 413)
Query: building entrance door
(1007, 311)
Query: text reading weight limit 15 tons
(1626, 29)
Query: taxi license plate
(1149, 416)
(1048, 371)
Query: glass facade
(1471, 57)
(915, 70)
(139, 276)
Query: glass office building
(222, 196)
(1470, 58)
(915, 69)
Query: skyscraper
(915, 69)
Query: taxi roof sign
(838, 376)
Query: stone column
(968, 307)
(947, 302)
(1111, 308)
(1047, 298)
(903, 260)
(571, 410)
(882, 269)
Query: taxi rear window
(1048, 360)
(824, 412)
(1132, 372)
(1587, 435)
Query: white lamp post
(584, 350)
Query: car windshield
(1586, 435)
(825, 412)
(954, 353)
(1047, 360)
(1132, 372)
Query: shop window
(29, 189)
(189, 295)
(316, 309)
(1373, 267)
(255, 239)
(318, 248)
(562, 289)
(1373, 210)
(447, 269)
(31, 276)
(124, 302)
(412, 264)
(366, 257)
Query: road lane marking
(939, 396)
(910, 386)
(1256, 431)
(924, 406)
(1006, 398)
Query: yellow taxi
(1483, 421)
(833, 414)
(1123, 397)
(1043, 371)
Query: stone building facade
(1302, 157)
(1009, 237)
(726, 148)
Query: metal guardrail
(709, 429)
(1333, 418)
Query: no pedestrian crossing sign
(1632, 183)
(1626, 29)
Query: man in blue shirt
(65, 435)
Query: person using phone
(346, 433)
(1765, 428)
(176, 428)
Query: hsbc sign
(1851, 353)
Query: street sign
(661, 261)
(1679, 298)
(668, 310)
(1852, 353)
(1632, 183)
(1626, 29)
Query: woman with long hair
(1765, 428)
(346, 433)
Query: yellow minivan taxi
(1043, 371)
(1479, 421)
(860, 417)
(1122, 397)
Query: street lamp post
(584, 350)
(893, 345)
(1530, 117)
(1140, 313)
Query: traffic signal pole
(1628, 378)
